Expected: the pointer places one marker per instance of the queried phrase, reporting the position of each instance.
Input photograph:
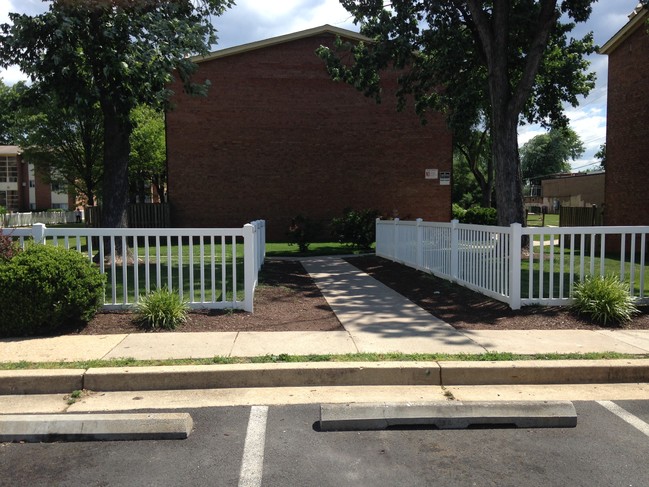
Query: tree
(474, 149)
(550, 153)
(65, 144)
(117, 54)
(8, 106)
(601, 155)
(510, 60)
(148, 153)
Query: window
(8, 169)
(9, 199)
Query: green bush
(605, 299)
(477, 215)
(301, 232)
(161, 308)
(356, 229)
(457, 212)
(45, 288)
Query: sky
(254, 20)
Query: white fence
(44, 217)
(493, 260)
(208, 267)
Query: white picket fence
(31, 218)
(492, 260)
(213, 268)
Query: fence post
(249, 266)
(515, 238)
(38, 232)
(395, 251)
(420, 244)
(455, 250)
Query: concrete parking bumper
(448, 415)
(93, 427)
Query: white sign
(431, 173)
(445, 178)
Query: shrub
(605, 299)
(45, 288)
(458, 212)
(161, 308)
(301, 232)
(477, 215)
(356, 229)
(8, 247)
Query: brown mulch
(468, 310)
(287, 299)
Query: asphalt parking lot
(282, 446)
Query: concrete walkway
(376, 319)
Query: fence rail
(516, 265)
(9, 220)
(210, 268)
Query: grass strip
(285, 358)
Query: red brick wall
(276, 138)
(627, 157)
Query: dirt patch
(286, 299)
(467, 310)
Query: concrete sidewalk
(376, 319)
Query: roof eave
(629, 28)
(324, 29)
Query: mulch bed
(287, 299)
(468, 310)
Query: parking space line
(252, 463)
(626, 416)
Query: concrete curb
(325, 374)
(448, 415)
(94, 427)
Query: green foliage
(8, 247)
(161, 309)
(549, 153)
(605, 299)
(115, 54)
(46, 288)
(601, 155)
(301, 232)
(480, 216)
(147, 164)
(458, 212)
(356, 228)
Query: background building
(277, 138)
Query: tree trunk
(509, 189)
(117, 148)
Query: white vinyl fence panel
(209, 268)
(494, 260)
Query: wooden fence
(589, 216)
(140, 215)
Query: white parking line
(252, 463)
(626, 416)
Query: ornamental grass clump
(605, 299)
(161, 308)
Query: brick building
(627, 126)
(276, 137)
(21, 189)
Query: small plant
(8, 247)
(605, 299)
(161, 309)
(301, 232)
(356, 228)
(45, 288)
(458, 212)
